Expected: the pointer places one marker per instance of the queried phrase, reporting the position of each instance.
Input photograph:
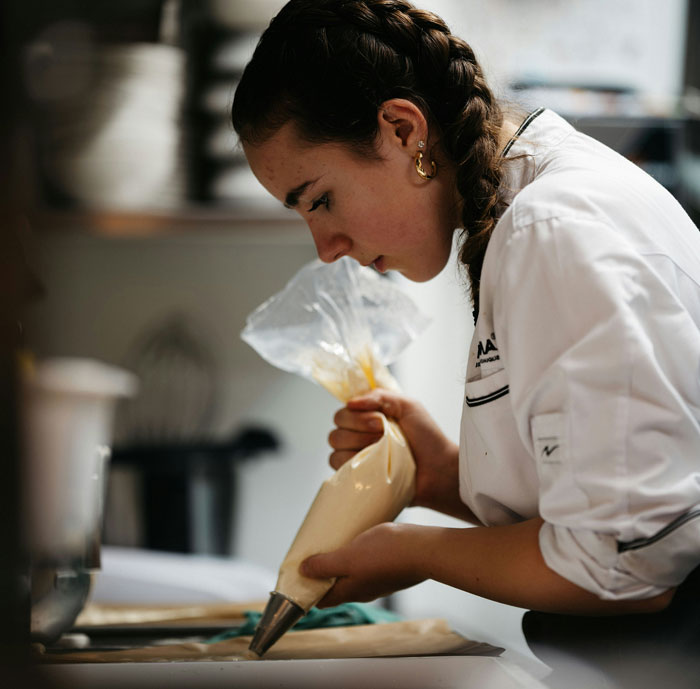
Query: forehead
(282, 144)
(280, 157)
(284, 161)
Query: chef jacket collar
(542, 129)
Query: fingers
(364, 421)
(347, 443)
(343, 439)
(337, 459)
(389, 403)
(322, 566)
(355, 431)
(337, 595)
(361, 422)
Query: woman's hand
(437, 458)
(376, 563)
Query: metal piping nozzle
(280, 615)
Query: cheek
(397, 214)
(412, 221)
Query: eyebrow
(292, 198)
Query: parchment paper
(411, 638)
(118, 614)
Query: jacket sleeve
(604, 364)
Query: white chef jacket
(582, 400)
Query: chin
(423, 273)
(413, 277)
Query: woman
(579, 455)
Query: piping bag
(339, 325)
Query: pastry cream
(372, 487)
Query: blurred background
(134, 234)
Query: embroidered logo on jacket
(484, 348)
(548, 449)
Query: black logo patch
(484, 348)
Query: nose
(330, 245)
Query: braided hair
(327, 66)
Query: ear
(402, 123)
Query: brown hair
(327, 66)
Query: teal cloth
(345, 615)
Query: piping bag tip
(279, 616)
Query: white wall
(634, 43)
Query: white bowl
(67, 416)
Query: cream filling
(373, 487)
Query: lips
(378, 263)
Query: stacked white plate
(119, 144)
(233, 183)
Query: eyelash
(321, 201)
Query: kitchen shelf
(259, 221)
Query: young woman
(579, 456)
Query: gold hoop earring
(421, 170)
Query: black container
(170, 471)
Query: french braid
(327, 65)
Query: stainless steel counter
(446, 672)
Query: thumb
(321, 566)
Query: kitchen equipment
(67, 414)
(164, 440)
(189, 488)
(178, 375)
(112, 136)
(58, 594)
(373, 488)
(280, 615)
